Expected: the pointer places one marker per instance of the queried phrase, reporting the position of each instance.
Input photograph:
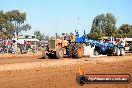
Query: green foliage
(25, 27)
(41, 36)
(38, 35)
(46, 37)
(103, 25)
(125, 30)
(12, 23)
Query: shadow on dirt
(52, 57)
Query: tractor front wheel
(59, 53)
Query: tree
(38, 35)
(46, 37)
(41, 36)
(125, 30)
(24, 27)
(103, 25)
(5, 27)
(12, 23)
(17, 19)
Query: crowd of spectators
(12, 46)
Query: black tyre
(77, 51)
(59, 53)
(80, 80)
(110, 52)
(69, 50)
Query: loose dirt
(29, 71)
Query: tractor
(60, 47)
(56, 47)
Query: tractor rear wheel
(59, 53)
(77, 51)
(69, 50)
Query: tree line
(42, 36)
(13, 22)
(104, 25)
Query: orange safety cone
(80, 71)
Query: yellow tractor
(56, 47)
(60, 47)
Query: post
(63, 40)
(55, 35)
(35, 47)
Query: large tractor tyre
(110, 52)
(122, 51)
(69, 50)
(59, 53)
(44, 54)
(130, 50)
(77, 51)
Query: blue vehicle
(107, 48)
(75, 49)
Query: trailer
(108, 48)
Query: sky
(66, 16)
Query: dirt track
(28, 71)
